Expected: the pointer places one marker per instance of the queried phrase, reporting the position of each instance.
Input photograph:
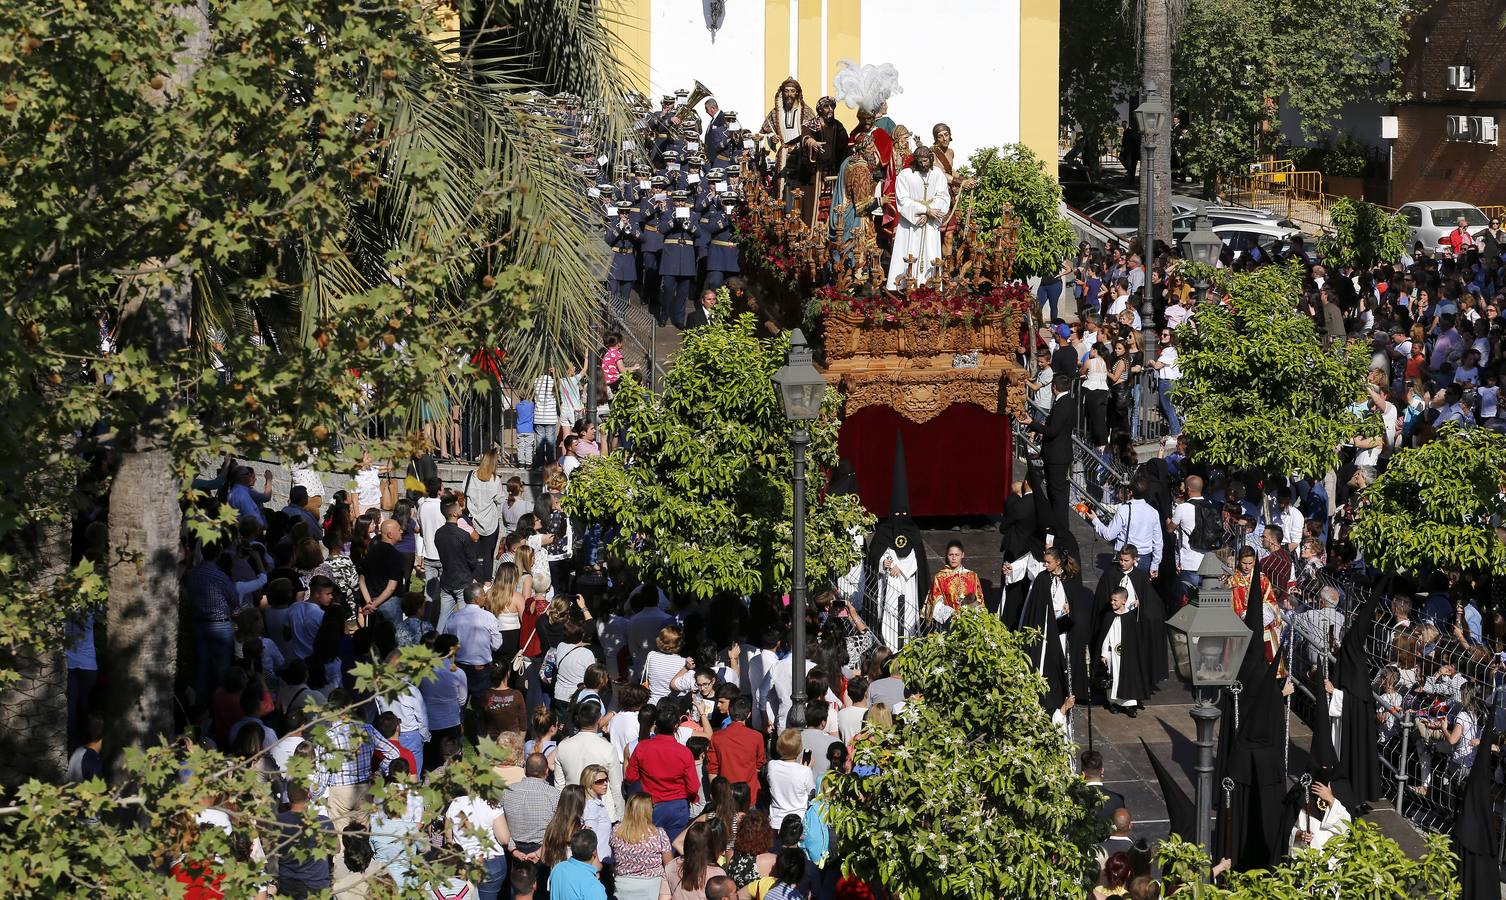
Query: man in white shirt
(1289, 518)
(585, 748)
(1184, 521)
(1135, 277)
(758, 681)
(780, 691)
(1135, 522)
(1118, 297)
(850, 719)
(430, 520)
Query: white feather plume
(865, 87)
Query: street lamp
(1208, 641)
(1203, 246)
(1151, 116)
(802, 390)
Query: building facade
(1448, 145)
(987, 68)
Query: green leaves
(1363, 235)
(1258, 389)
(1013, 175)
(974, 796)
(701, 490)
(1434, 505)
(1362, 863)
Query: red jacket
(665, 768)
(737, 754)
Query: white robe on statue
(918, 195)
(894, 592)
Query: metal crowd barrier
(1408, 758)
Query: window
(1449, 215)
(1126, 216)
(1413, 215)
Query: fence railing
(1423, 773)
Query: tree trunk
(1155, 62)
(141, 649)
(35, 708)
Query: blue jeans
(546, 439)
(1049, 293)
(1168, 409)
(673, 816)
(413, 742)
(449, 602)
(495, 879)
(214, 648)
(432, 570)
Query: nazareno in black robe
(1477, 835)
(1358, 760)
(900, 533)
(1248, 830)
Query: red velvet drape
(959, 463)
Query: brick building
(1448, 144)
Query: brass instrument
(697, 94)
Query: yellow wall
(777, 65)
(629, 20)
(808, 42)
(844, 39)
(1040, 100)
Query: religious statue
(922, 199)
(941, 135)
(854, 198)
(792, 130)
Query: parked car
(1431, 220)
(1272, 238)
(1123, 216)
(1181, 225)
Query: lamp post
(1208, 641)
(1202, 246)
(801, 389)
(1150, 116)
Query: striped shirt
(546, 409)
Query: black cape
(1248, 831)
(1476, 834)
(1181, 812)
(1046, 652)
(1133, 669)
(1358, 763)
(1152, 620)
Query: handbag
(519, 661)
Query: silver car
(1431, 220)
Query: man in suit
(1091, 762)
(705, 311)
(1056, 455)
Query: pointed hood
(899, 489)
(1180, 810)
(843, 481)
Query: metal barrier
(1426, 774)
(1093, 479)
(1142, 419)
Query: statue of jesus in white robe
(922, 196)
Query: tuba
(697, 94)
